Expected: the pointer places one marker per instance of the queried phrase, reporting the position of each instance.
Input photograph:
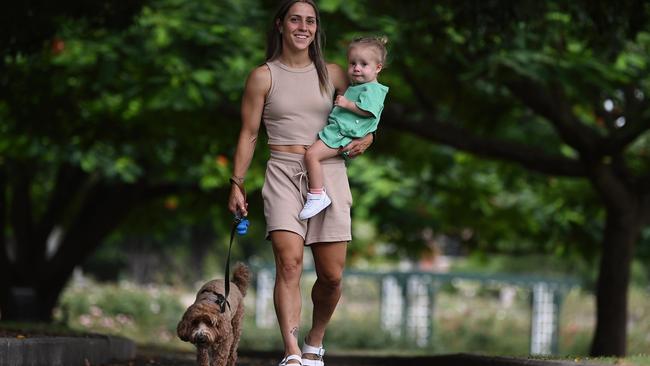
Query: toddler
(355, 114)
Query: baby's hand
(341, 101)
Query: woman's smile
(300, 24)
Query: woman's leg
(329, 260)
(288, 250)
(316, 153)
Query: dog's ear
(184, 329)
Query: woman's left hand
(357, 146)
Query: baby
(356, 114)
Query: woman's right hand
(237, 202)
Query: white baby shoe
(315, 204)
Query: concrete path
(247, 358)
(100, 350)
(64, 351)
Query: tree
(557, 87)
(100, 121)
(107, 121)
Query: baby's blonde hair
(378, 42)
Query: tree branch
(445, 133)
(643, 184)
(103, 209)
(21, 213)
(645, 209)
(4, 261)
(611, 188)
(554, 108)
(635, 125)
(626, 135)
(419, 91)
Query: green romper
(343, 125)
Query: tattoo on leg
(294, 332)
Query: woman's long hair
(274, 41)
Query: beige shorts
(284, 193)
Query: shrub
(148, 314)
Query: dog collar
(219, 300)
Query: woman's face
(298, 27)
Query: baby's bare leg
(314, 155)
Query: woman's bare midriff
(295, 149)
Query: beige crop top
(295, 109)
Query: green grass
(634, 360)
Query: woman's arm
(257, 86)
(338, 78)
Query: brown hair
(378, 42)
(274, 41)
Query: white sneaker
(315, 204)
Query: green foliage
(454, 62)
(147, 101)
(493, 207)
(157, 102)
(153, 104)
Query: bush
(147, 314)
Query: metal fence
(407, 301)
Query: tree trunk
(28, 304)
(30, 283)
(33, 284)
(4, 260)
(32, 298)
(621, 233)
(201, 236)
(28, 299)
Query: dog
(213, 323)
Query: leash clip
(222, 302)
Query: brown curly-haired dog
(214, 332)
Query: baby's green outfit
(343, 125)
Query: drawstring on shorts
(297, 160)
(302, 175)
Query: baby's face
(363, 64)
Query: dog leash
(240, 226)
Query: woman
(293, 94)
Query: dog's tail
(241, 277)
